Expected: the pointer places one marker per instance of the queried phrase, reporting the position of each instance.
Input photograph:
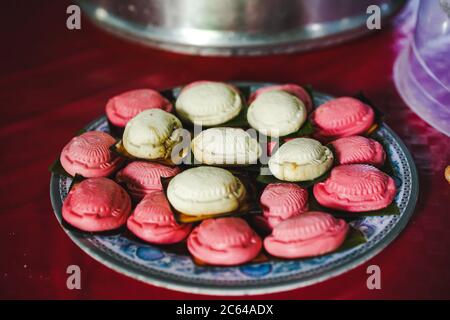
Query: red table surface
(53, 81)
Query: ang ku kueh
(209, 207)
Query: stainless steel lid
(236, 27)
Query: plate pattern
(154, 265)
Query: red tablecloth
(53, 81)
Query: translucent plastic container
(422, 71)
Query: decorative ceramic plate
(160, 267)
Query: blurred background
(54, 80)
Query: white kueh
(276, 113)
(205, 190)
(301, 159)
(152, 134)
(208, 103)
(226, 146)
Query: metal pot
(236, 27)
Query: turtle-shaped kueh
(290, 88)
(342, 117)
(215, 196)
(300, 159)
(142, 177)
(205, 190)
(281, 201)
(89, 155)
(96, 204)
(358, 149)
(208, 103)
(224, 241)
(309, 234)
(122, 108)
(276, 113)
(152, 134)
(153, 221)
(225, 146)
(356, 188)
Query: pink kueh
(342, 117)
(96, 204)
(153, 221)
(355, 188)
(281, 201)
(310, 234)
(358, 149)
(89, 155)
(224, 241)
(123, 107)
(141, 177)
